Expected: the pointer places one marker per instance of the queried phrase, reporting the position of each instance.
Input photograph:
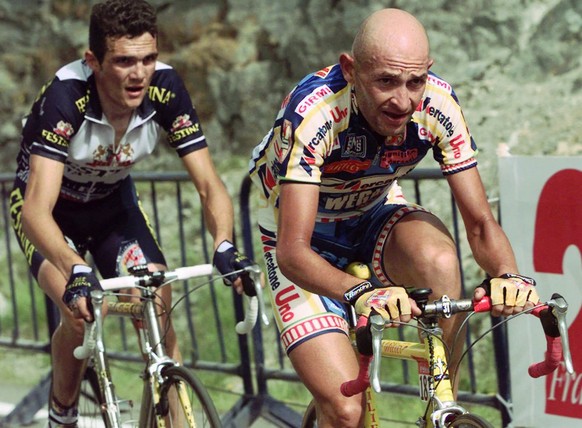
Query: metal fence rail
(27, 319)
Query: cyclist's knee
(438, 268)
(342, 413)
(438, 257)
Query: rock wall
(515, 64)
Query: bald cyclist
(327, 173)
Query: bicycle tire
(469, 420)
(197, 402)
(309, 416)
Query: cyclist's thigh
(52, 283)
(49, 278)
(421, 250)
(314, 334)
(323, 363)
(299, 314)
(382, 243)
(128, 240)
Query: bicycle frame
(100, 361)
(434, 381)
(154, 351)
(146, 317)
(151, 345)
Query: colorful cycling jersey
(319, 137)
(66, 124)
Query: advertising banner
(541, 212)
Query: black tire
(201, 405)
(309, 416)
(469, 420)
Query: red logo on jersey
(456, 144)
(181, 122)
(64, 129)
(351, 166)
(323, 72)
(398, 156)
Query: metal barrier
(27, 319)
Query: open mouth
(396, 118)
(134, 91)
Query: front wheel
(184, 401)
(469, 420)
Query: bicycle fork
(156, 384)
(111, 404)
(437, 381)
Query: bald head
(388, 69)
(393, 32)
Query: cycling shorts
(301, 315)
(114, 230)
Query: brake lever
(559, 309)
(255, 274)
(377, 325)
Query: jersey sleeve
(442, 117)
(307, 131)
(177, 114)
(54, 119)
(299, 151)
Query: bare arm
(298, 262)
(42, 192)
(489, 244)
(216, 202)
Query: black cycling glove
(227, 259)
(81, 282)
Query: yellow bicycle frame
(440, 384)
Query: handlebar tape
(245, 326)
(360, 383)
(553, 357)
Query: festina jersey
(320, 138)
(66, 124)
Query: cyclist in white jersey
(73, 193)
(327, 172)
